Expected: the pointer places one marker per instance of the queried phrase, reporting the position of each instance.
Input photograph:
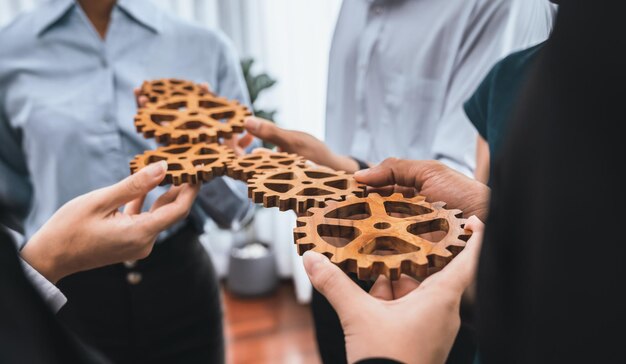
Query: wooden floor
(272, 329)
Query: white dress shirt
(48, 291)
(400, 71)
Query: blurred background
(284, 47)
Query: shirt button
(130, 263)
(133, 278)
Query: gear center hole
(382, 225)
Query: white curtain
(290, 40)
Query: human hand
(406, 321)
(300, 143)
(432, 179)
(90, 232)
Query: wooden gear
(300, 189)
(383, 235)
(191, 118)
(187, 163)
(246, 166)
(165, 88)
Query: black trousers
(331, 342)
(165, 309)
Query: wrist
(44, 261)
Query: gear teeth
(193, 161)
(150, 120)
(247, 166)
(429, 258)
(299, 179)
(439, 205)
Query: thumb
(343, 294)
(131, 187)
(461, 271)
(265, 130)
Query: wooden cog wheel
(187, 163)
(384, 235)
(246, 166)
(300, 189)
(163, 89)
(191, 119)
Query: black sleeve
(29, 331)
(362, 164)
(551, 273)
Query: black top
(29, 331)
(491, 105)
(552, 269)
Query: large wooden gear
(187, 163)
(300, 189)
(191, 118)
(383, 235)
(165, 88)
(246, 166)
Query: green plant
(256, 84)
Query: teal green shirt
(492, 103)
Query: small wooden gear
(300, 189)
(246, 166)
(383, 235)
(165, 88)
(187, 163)
(191, 118)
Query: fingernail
(312, 261)
(157, 169)
(361, 172)
(252, 124)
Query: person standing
(399, 73)
(68, 70)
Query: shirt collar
(141, 11)
(56, 10)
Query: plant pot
(252, 270)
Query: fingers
(403, 286)
(402, 172)
(245, 141)
(167, 197)
(134, 207)
(167, 214)
(205, 87)
(343, 294)
(382, 289)
(460, 272)
(131, 187)
(266, 130)
(141, 100)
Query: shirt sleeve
(492, 33)
(15, 188)
(48, 291)
(476, 107)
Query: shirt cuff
(50, 293)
